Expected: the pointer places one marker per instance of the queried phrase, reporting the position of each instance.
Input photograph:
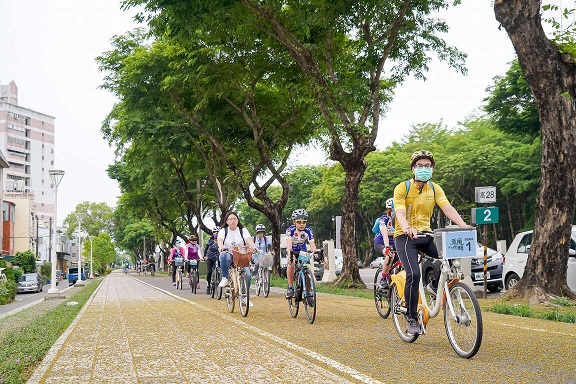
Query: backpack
(376, 227)
(241, 232)
(265, 240)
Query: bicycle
(237, 282)
(179, 265)
(462, 314)
(382, 297)
(262, 280)
(305, 287)
(216, 277)
(152, 269)
(194, 276)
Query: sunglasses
(301, 221)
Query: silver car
(29, 282)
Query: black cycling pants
(209, 266)
(407, 250)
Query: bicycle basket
(266, 261)
(179, 261)
(241, 256)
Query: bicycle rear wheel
(381, 299)
(309, 295)
(230, 294)
(266, 282)
(294, 301)
(399, 316)
(243, 294)
(465, 331)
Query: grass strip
(24, 344)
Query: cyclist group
(407, 214)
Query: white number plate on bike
(455, 243)
(480, 275)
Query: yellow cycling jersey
(419, 204)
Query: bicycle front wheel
(309, 295)
(258, 282)
(230, 296)
(381, 298)
(178, 279)
(465, 330)
(266, 282)
(243, 294)
(399, 316)
(194, 281)
(217, 289)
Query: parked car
(517, 255)
(431, 269)
(29, 282)
(377, 262)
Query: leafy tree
(550, 70)
(511, 104)
(25, 260)
(98, 218)
(103, 252)
(341, 49)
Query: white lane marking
(538, 330)
(324, 359)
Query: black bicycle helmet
(216, 229)
(421, 155)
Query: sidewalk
(130, 332)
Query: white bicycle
(462, 314)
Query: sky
(48, 48)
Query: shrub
(7, 292)
(16, 273)
(46, 271)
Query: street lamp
(79, 217)
(56, 176)
(91, 237)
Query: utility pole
(37, 236)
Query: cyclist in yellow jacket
(414, 202)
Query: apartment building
(27, 142)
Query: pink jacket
(172, 251)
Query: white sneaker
(250, 303)
(223, 283)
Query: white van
(517, 255)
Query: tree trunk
(551, 75)
(350, 276)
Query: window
(524, 246)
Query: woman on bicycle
(261, 243)
(384, 242)
(231, 235)
(414, 202)
(211, 254)
(192, 253)
(176, 251)
(297, 235)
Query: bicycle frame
(443, 286)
